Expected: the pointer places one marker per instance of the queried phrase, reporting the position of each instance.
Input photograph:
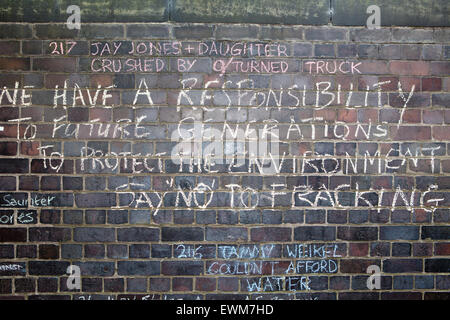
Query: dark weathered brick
(366, 35)
(424, 282)
(93, 234)
(437, 296)
(138, 234)
(6, 251)
(55, 31)
(314, 233)
(281, 33)
(92, 200)
(26, 251)
(94, 268)
(113, 284)
(193, 32)
(271, 234)
(302, 49)
(402, 265)
(25, 285)
(15, 31)
(49, 234)
(236, 32)
(142, 268)
(102, 31)
(226, 234)
(14, 165)
(325, 34)
(399, 233)
(9, 47)
(181, 268)
(437, 265)
(5, 286)
(357, 233)
(147, 31)
(54, 64)
(94, 251)
(47, 267)
(401, 249)
(356, 265)
(182, 234)
(13, 235)
(436, 232)
(71, 251)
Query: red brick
(421, 216)
(326, 114)
(14, 63)
(103, 80)
(303, 147)
(358, 249)
(382, 182)
(356, 265)
(442, 249)
(9, 131)
(35, 113)
(392, 85)
(412, 116)
(48, 251)
(365, 81)
(347, 115)
(373, 67)
(205, 284)
(431, 84)
(407, 83)
(386, 147)
(345, 81)
(29, 148)
(433, 116)
(441, 133)
(271, 234)
(419, 68)
(410, 133)
(104, 115)
(182, 284)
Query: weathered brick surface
(90, 174)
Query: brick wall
(90, 119)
